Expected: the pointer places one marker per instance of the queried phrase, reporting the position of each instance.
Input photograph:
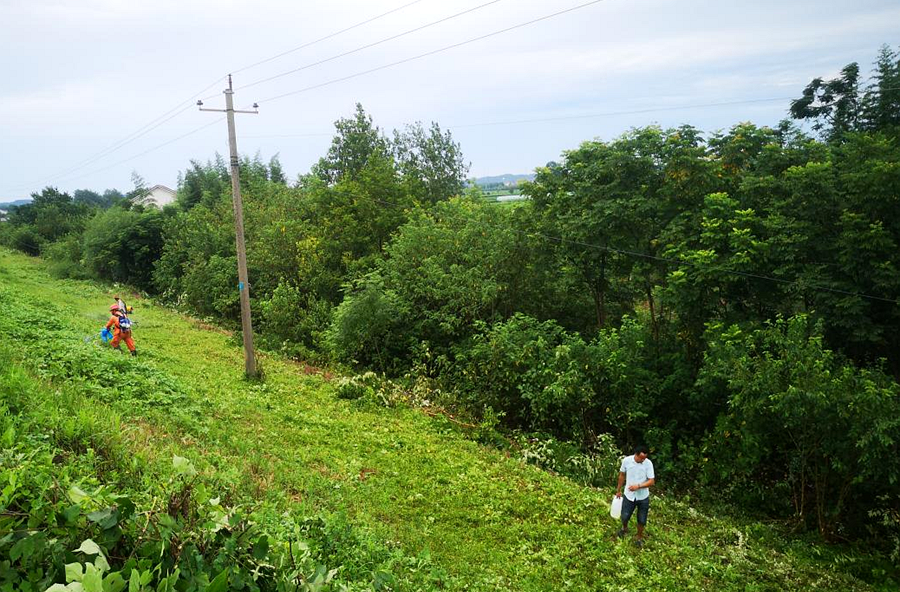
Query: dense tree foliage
(842, 105)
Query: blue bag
(106, 335)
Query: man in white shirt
(636, 474)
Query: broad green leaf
(183, 466)
(77, 495)
(101, 563)
(219, 583)
(134, 582)
(71, 513)
(114, 582)
(9, 437)
(106, 518)
(88, 547)
(92, 580)
(74, 572)
(23, 548)
(261, 548)
(125, 507)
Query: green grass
(404, 478)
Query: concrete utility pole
(243, 284)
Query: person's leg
(117, 337)
(129, 341)
(643, 508)
(627, 511)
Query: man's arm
(647, 483)
(620, 484)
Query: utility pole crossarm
(254, 112)
(243, 282)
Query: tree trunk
(598, 291)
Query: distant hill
(501, 180)
(9, 204)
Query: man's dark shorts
(628, 506)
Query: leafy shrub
(355, 387)
(211, 288)
(197, 266)
(293, 322)
(123, 245)
(368, 328)
(597, 467)
(802, 418)
(65, 260)
(27, 239)
(541, 377)
(527, 370)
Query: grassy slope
(412, 479)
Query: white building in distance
(160, 195)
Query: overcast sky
(79, 77)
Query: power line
(507, 29)
(433, 52)
(149, 150)
(329, 36)
(370, 45)
(164, 117)
(469, 125)
(155, 123)
(616, 113)
(570, 117)
(142, 131)
(520, 25)
(563, 117)
(68, 175)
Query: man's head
(640, 453)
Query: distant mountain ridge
(10, 204)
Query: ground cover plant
(92, 502)
(409, 502)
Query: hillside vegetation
(731, 299)
(389, 497)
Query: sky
(82, 81)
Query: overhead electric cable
(432, 52)
(153, 124)
(329, 36)
(615, 113)
(149, 150)
(562, 117)
(370, 45)
(142, 131)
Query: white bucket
(615, 508)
